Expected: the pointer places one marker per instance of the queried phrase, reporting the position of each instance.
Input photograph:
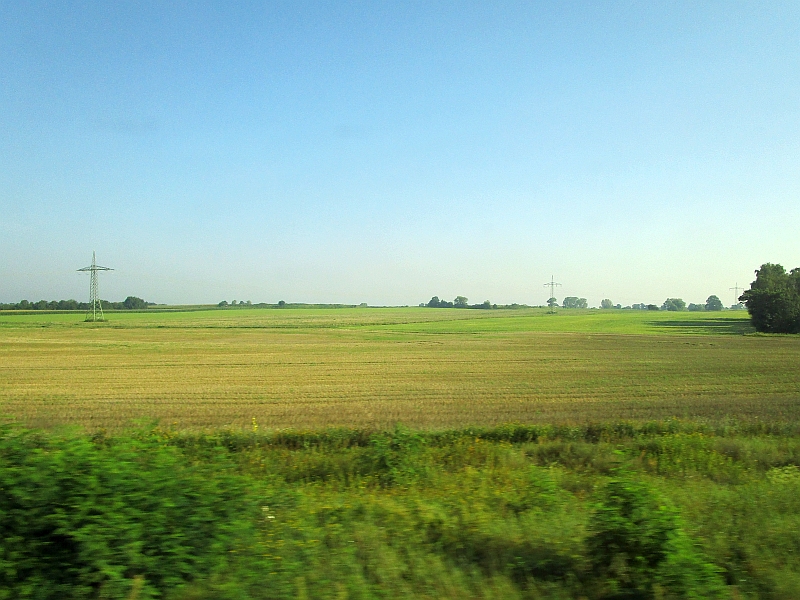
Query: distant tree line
(130, 303)
(773, 299)
(458, 302)
(713, 303)
(283, 304)
(243, 304)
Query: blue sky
(386, 152)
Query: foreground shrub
(638, 549)
(80, 519)
(516, 512)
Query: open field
(454, 507)
(428, 368)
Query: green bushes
(638, 550)
(659, 510)
(81, 519)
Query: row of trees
(713, 303)
(773, 299)
(458, 302)
(671, 304)
(243, 303)
(130, 303)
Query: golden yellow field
(422, 367)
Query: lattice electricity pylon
(552, 285)
(95, 307)
(735, 290)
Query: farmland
(399, 453)
(376, 367)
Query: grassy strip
(648, 510)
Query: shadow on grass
(719, 326)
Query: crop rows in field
(421, 367)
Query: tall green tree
(132, 302)
(574, 302)
(713, 303)
(773, 299)
(674, 304)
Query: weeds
(676, 509)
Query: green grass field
(425, 368)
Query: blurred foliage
(96, 518)
(613, 510)
(638, 548)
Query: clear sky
(385, 152)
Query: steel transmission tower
(735, 290)
(552, 285)
(95, 312)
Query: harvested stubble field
(426, 368)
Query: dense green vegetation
(652, 510)
(773, 299)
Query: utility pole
(735, 290)
(95, 307)
(552, 285)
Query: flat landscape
(378, 367)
